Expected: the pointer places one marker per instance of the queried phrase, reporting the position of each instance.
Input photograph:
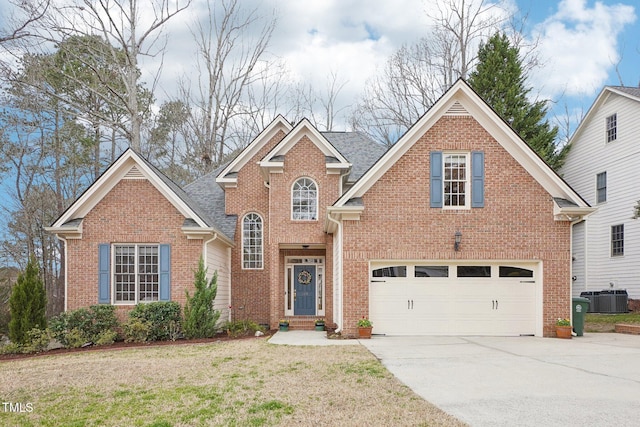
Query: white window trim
(606, 128)
(136, 274)
(317, 197)
(467, 181)
(606, 185)
(261, 243)
(611, 254)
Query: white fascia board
(341, 213)
(305, 127)
(489, 120)
(401, 146)
(66, 232)
(107, 181)
(571, 213)
(278, 124)
(202, 232)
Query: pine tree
(500, 80)
(27, 304)
(200, 317)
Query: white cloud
(579, 47)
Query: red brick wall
(132, 212)
(258, 295)
(516, 223)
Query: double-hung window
(136, 273)
(601, 187)
(612, 128)
(617, 240)
(456, 181)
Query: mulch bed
(121, 345)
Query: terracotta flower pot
(563, 332)
(364, 333)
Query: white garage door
(453, 298)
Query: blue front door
(304, 280)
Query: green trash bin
(580, 308)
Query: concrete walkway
(307, 338)
(513, 381)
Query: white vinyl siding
(218, 259)
(590, 156)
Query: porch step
(627, 328)
(302, 323)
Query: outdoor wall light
(457, 240)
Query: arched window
(252, 241)
(304, 200)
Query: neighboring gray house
(603, 166)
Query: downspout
(66, 269)
(337, 284)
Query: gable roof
(461, 99)
(274, 159)
(631, 93)
(131, 165)
(228, 175)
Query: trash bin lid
(580, 299)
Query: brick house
(458, 229)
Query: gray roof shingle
(200, 205)
(633, 91)
(361, 151)
(210, 197)
(358, 149)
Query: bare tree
(120, 24)
(228, 62)
(417, 75)
(25, 13)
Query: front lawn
(232, 383)
(599, 322)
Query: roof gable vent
(457, 110)
(134, 173)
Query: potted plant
(563, 328)
(320, 324)
(283, 325)
(364, 328)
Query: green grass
(612, 319)
(236, 384)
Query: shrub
(239, 328)
(200, 317)
(106, 337)
(164, 318)
(37, 341)
(136, 330)
(74, 328)
(27, 304)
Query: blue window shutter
(477, 179)
(104, 273)
(165, 272)
(436, 179)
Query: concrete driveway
(592, 380)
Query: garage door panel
(502, 304)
